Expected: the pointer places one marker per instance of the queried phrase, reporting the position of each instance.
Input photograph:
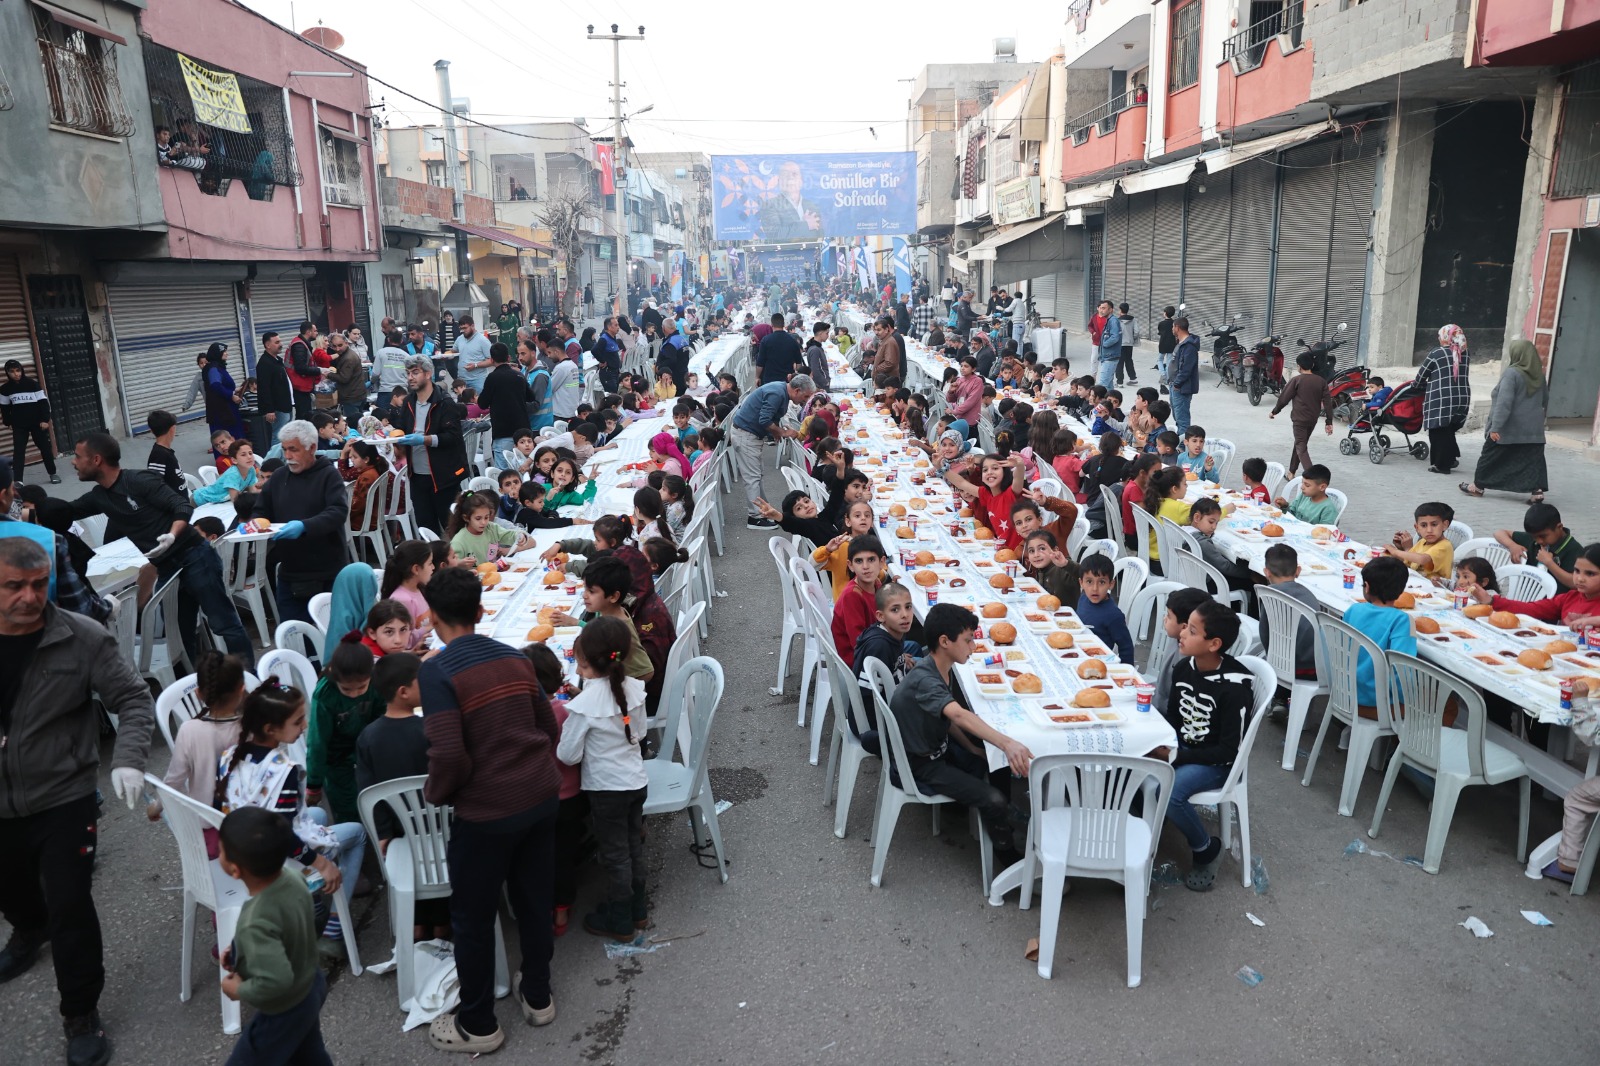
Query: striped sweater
(491, 733)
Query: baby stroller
(1402, 412)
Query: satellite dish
(328, 38)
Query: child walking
(602, 732)
(1305, 394)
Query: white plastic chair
(684, 648)
(686, 786)
(846, 752)
(371, 530)
(1107, 547)
(1456, 758)
(302, 637)
(320, 608)
(894, 796)
(1273, 479)
(247, 590)
(1113, 509)
(794, 624)
(1222, 450)
(1234, 795)
(208, 474)
(704, 484)
(1338, 497)
(1083, 826)
(160, 646)
(1291, 489)
(1186, 566)
(812, 681)
(122, 624)
(1519, 581)
(417, 867)
(1341, 645)
(1132, 573)
(289, 667)
(1145, 529)
(398, 512)
(1079, 534)
(1283, 615)
(1486, 548)
(1458, 533)
(817, 607)
(1147, 616)
(1176, 535)
(482, 484)
(1050, 487)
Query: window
(1577, 171)
(1184, 55)
(341, 170)
(80, 71)
(516, 177)
(434, 170)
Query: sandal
(1470, 489)
(1537, 497)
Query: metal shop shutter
(1043, 290)
(160, 329)
(1095, 279)
(1114, 282)
(16, 341)
(1166, 256)
(277, 304)
(1305, 224)
(1250, 246)
(1141, 236)
(1205, 254)
(1347, 254)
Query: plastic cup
(933, 595)
(1144, 693)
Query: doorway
(66, 354)
(1574, 368)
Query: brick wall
(419, 198)
(1354, 43)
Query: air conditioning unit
(962, 244)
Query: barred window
(1577, 171)
(1184, 56)
(516, 176)
(80, 71)
(341, 171)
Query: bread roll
(1001, 581)
(1048, 602)
(1272, 529)
(897, 510)
(905, 533)
(1092, 697)
(1321, 533)
(1060, 640)
(1190, 475)
(926, 578)
(1027, 685)
(994, 610)
(965, 512)
(983, 533)
(1405, 601)
(1504, 620)
(490, 579)
(553, 577)
(917, 503)
(1534, 659)
(1478, 610)
(541, 633)
(1003, 633)
(1560, 647)
(924, 558)
(1005, 555)
(1092, 670)
(921, 464)
(1427, 625)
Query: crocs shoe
(446, 1035)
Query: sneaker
(54, 480)
(446, 1035)
(533, 1015)
(20, 953)
(86, 1041)
(759, 522)
(1278, 712)
(1165, 391)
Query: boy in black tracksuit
(26, 409)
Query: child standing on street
(1307, 392)
(272, 964)
(604, 726)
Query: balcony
(1097, 140)
(1103, 119)
(1247, 49)
(1513, 33)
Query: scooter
(1226, 352)
(1263, 369)
(1322, 352)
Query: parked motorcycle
(1227, 353)
(1263, 369)
(1322, 352)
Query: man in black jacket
(965, 316)
(431, 423)
(139, 505)
(308, 496)
(27, 411)
(779, 354)
(505, 394)
(608, 353)
(273, 394)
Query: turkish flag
(604, 154)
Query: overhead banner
(784, 267)
(782, 198)
(215, 95)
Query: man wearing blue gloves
(308, 497)
(431, 422)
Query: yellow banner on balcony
(215, 95)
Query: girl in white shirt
(605, 723)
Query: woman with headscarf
(222, 395)
(1446, 397)
(1513, 447)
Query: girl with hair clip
(408, 569)
(649, 515)
(219, 682)
(260, 771)
(679, 498)
(602, 733)
(662, 553)
(476, 536)
(567, 486)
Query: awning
(653, 265)
(1034, 116)
(78, 22)
(958, 263)
(1036, 249)
(1091, 194)
(988, 248)
(500, 236)
(1220, 159)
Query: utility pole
(452, 169)
(619, 261)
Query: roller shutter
(1114, 282)
(1310, 176)
(1205, 253)
(160, 329)
(1347, 256)
(1250, 246)
(1166, 256)
(1141, 237)
(16, 339)
(1043, 290)
(277, 304)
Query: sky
(721, 77)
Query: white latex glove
(128, 783)
(163, 542)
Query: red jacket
(304, 382)
(853, 612)
(1572, 604)
(1097, 325)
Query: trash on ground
(1477, 928)
(1250, 976)
(637, 946)
(723, 805)
(1258, 876)
(1166, 875)
(1359, 847)
(1254, 920)
(1535, 918)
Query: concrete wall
(1378, 39)
(59, 177)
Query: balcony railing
(1105, 116)
(1247, 48)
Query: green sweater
(336, 722)
(275, 946)
(566, 497)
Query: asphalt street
(797, 959)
